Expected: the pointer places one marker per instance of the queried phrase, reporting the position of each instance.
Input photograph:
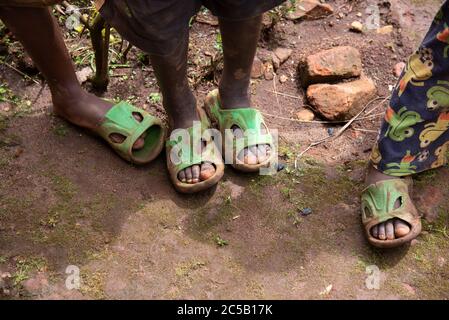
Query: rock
(84, 74)
(341, 101)
(398, 68)
(308, 9)
(331, 65)
(275, 61)
(206, 17)
(305, 115)
(258, 68)
(283, 78)
(283, 54)
(268, 71)
(385, 30)
(356, 26)
(264, 55)
(267, 20)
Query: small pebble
(305, 211)
(356, 26)
(281, 166)
(330, 131)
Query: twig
(340, 132)
(275, 91)
(283, 94)
(364, 130)
(20, 72)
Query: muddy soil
(67, 199)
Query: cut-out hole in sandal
(117, 138)
(137, 116)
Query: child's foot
(393, 228)
(198, 172)
(254, 154)
(87, 110)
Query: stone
(257, 70)
(308, 9)
(341, 101)
(356, 26)
(267, 20)
(268, 71)
(398, 68)
(283, 78)
(385, 30)
(305, 115)
(84, 74)
(283, 54)
(331, 65)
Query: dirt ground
(67, 199)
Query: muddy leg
(38, 32)
(171, 73)
(240, 40)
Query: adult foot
(87, 110)
(391, 229)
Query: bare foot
(87, 110)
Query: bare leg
(38, 32)
(240, 40)
(171, 73)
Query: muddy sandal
(120, 120)
(378, 205)
(208, 152)
(249, 120)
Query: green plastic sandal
(120, 120)
(249, 120)
(186, 155)
(378, 202)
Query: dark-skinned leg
(391, 229)
(39, 34)
(179, 102)
(240, 40)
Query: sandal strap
(249, 120)
(120, 119)
(379, 200)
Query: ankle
(64, 94)
(182, 111)
(232, 98)
(373, 175)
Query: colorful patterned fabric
(414, 136)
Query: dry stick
(339, 133)
(275, 91)
(322, 121)
(365, 130)
(20, 72)
(284, 94)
